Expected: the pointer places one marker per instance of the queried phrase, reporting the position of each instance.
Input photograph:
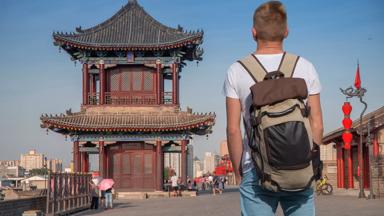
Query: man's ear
(254, 33)
(286, 32)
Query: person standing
(175, 185)
(95, 196)
(108, 198)
(269, 31)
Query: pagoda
(130, 114)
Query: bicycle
(323, 187)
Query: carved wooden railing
(68, 192)
(129, 99)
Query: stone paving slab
(228, 204)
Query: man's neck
(269, 47)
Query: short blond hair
(270, 21)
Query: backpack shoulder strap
(253, 66)
(288, 64)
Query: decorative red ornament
(347, 123)
(357, 77)
(347, 137)
(347, 108)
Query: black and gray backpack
(280, 136)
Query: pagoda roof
(375, 119)
(160, 121)
(131, 28)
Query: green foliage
(40, 172)
(166, 173)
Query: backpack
(280, 136)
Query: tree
(40, 172)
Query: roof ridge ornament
(132, 1)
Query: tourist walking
(175, 185)
(106, 186)
(95, 196)
(269, 31)
(108, 198)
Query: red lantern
(347, 108)
(347, 137)
(347, 123)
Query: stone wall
(18, 206)
(378, 174)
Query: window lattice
(137, 78)
(148, 81)
(125, 81)
(114, 82)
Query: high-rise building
(32, 160)
(197, 168)
(210, 161)
(55, 165)
(172, 161)
(11, 171)
(9, 163)
(190, 161)
(224, 148)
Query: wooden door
(132, 169)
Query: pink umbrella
(106, 184)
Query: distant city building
(197, 167)
(224, 148)
(190, 160)
(9, 163)
(32, 160)
(211, 160)
(11, 171)
(55, 165)
(172, 161)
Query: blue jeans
(254, 200)
(108, 200)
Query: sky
(36, 78)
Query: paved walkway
(227, 204)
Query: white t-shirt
(174, 180)
(238, 82)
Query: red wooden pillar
(342, 167)
(84, 162)
(102, 82)
(158, 82)
(175, 81)
(159, 168)
(184, 161)
(338, 155)
(101, 159)
(350, 168)
(76, 157)
(177, 85)
(85, 83)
